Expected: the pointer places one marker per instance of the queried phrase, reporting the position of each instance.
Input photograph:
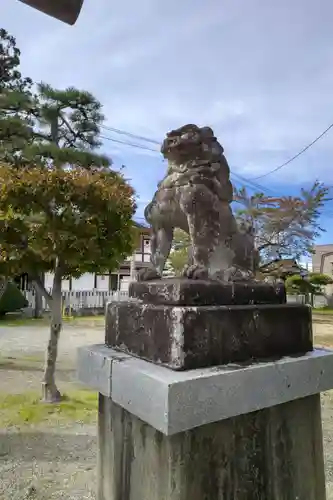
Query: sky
(259, 72)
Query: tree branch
(37, 282)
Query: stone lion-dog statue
(195, 195)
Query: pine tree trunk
(51, 393)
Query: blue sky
(259, 72)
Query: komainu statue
(195, 196)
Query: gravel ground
(45, 463)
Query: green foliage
(77, 219)
(295, 284)
(180, 252)
(71, 117)
(63, 206)
(62, 209)
(10, 76)
(12, 300)
(312, 284)
(25, 409)
(287, 226)
(319, 280)
(178, 259)
(17, 103)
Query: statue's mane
(190, 143)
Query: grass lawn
(323, 310)
(22, 410)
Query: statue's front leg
(199, 205)
(160, 248)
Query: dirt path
(45, 462)
(323, 330)
(22, 351)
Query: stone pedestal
(272, 454)
(214, 422)
(184, 324)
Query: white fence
(296, 299)
(74, 301)
(318, 300)
(96, 299)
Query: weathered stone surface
(178, 401)
(195, 196)
(188, 337)
(271, 454)
(199, 292)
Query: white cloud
(259, 72)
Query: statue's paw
(195, 272)
(147, 274)
(238, 274)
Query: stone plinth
(185, 292)
(210, 330)
(231, 433)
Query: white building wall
(85, 282)
(102, 282)
(49, 282)
(124, 283)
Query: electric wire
(293, 157)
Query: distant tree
(67, 221)
(319, 280)
(17, 101)
(311, 285)
(285, 227)
(10, 75)
(179, 253)
(62, 208)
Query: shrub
(12, 300)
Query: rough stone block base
(271, 454)
(189, 337)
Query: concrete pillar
(275, 453)
(208, 418)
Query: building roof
(283, 266)
(144, 228)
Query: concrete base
(237, 432)
(271, 454)
(174, 402)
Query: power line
(251, 184)
(129, 134)
(294, 157)
(247, 182)
(131, 144)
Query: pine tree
(63, 209)
(17, 102)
